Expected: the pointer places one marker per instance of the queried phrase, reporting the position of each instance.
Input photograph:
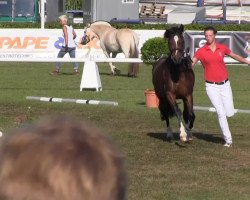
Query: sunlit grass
(202, 169)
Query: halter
(177, 49)
(87, 37)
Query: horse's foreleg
(183, 133)
(175, 109)
(169, 131)
(164, 107)
(188, 115)
(113, 68)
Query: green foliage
(19, 25)
(52, 25)
(48, 25)
(153, 49)
(73, 4)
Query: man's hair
(63, 18)
(210, 28)
(61, 158)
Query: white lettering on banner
(15, 55)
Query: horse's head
(94, 30)
(176, 43)
(88, 35)
(85, 37)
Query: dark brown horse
(173, 78)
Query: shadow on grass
(208, 137)
(68, 73)
(199, 135)
(162, 136)
(120, 75)
(141, 103)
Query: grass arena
(157, 169)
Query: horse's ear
(88, 25)
(167, 34)
(182, 28)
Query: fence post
(90, 77)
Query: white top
(71, 42)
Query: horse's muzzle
(85, 40)
(176, 58)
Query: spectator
(60, 159)
(69, 45)
(200, 3)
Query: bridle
(87, 38)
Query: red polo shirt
(213, 62)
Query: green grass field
(158, 170)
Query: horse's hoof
(169, 137)
(132, 76)
(183, 139)
(117, 71)
(190, 136)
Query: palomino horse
(114, 41)
(173, 78)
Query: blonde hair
(63, 18)
(61, 159)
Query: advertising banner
(238, 42)
(38, 43)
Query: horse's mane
(104, 23)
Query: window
(6, 8)
(25, 8)
(60, 5)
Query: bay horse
(114, 41)
(173, 78)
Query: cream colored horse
(114, 41)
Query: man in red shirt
(218, 88)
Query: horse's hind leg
(133, 70)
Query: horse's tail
(134, 51)
(133, 69)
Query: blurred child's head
(63, 19)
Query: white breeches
(222, 99)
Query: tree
(74, 4)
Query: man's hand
(66, 48)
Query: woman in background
(69, 45)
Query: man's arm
(194, 61)
(74, 34)
(239, 58)
(65, 33)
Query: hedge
(55, 25)
(153, 49)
